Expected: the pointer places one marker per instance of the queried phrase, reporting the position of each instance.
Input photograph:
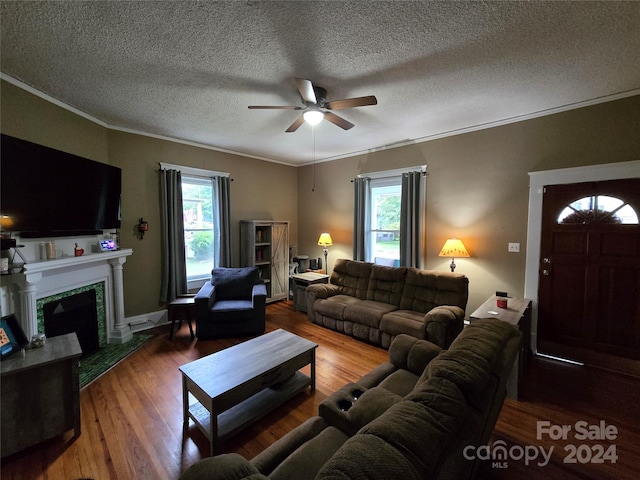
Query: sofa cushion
(367, 312)
(334, 306)
(386, 284)
(476, 358)
(400, 382)
(230, 466)
(311, 456)
(406, 352)
(234, 283)
(352, 277)
(426, 289)
(404, 321)
(395, 444)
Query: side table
(300, 283)
(40, 394)
(179, 309)
(518, 314)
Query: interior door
(589, 294)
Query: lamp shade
(325, 240)
(454, 248)
(313, 117)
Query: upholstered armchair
(231, 304)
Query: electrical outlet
(514, 247)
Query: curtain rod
(393, 173)
(201, 172)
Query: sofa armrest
(229, 466)
(353, 406)
(276, 453)
(443, 324)
(318, 291)
(322, 290)
(204, 300)
(259, 295)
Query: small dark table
(181, 307)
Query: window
(383, 231)
(598, 209)
(197, 206)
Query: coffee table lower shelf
(248, 411)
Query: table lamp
(453, 248)
(325, 241)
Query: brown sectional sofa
(375, 303)
(410, 418)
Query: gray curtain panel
(174, 270)
(412, 222)
(222, 211)
(360, 203)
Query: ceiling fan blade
(336, 120)
(295, 125)
(267, 107)
(352, 102)
(305, 87)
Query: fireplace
(74, 313)
(80, 310)
(26, 292)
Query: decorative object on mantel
(453, 248)
(143, 226)
(325, 241)
(77, 251)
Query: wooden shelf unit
(265, 244)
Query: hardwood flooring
(132, 415)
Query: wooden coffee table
(238, 385)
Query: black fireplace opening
(76, 313)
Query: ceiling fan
(315, 98)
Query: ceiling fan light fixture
(313, 116)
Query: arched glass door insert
(598, 209)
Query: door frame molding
(561, 176)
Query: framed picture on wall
(12, 338)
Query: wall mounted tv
(49, 193)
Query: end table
(300, 283)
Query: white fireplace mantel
(41, 279)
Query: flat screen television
(49, 193)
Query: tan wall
(477, 187)
(260, 190)
(26, 116)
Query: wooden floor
(132, 415)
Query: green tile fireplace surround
(45, 281)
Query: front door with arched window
(589, 283)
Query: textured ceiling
(188, 70)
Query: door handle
(546, 273)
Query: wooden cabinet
(40, 394)
(265, 244)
